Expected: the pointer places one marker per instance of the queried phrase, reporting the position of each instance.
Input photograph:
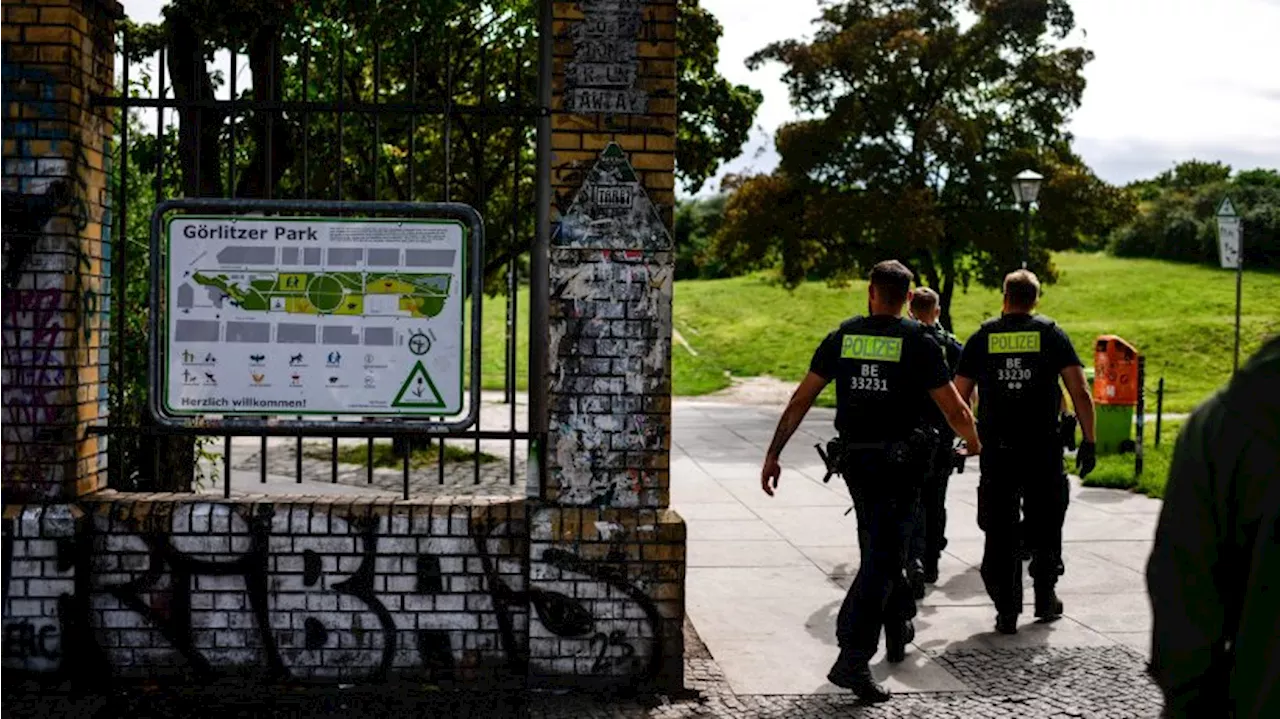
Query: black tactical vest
(878, 399)
(1018, 395)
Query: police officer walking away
(1214, 571)
(887, 370)
(929, 535)
(1016, 360)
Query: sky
(1172, 80)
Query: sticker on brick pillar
(601, 77)
(612, 210)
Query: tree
(918, 117)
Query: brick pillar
(57, 220)
(603, 534)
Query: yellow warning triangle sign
(418, 390)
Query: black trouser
(880, 596)
(928, 538)
(1030, 474)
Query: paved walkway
(766, 575)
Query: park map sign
(313, 316)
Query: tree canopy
(1177, 218)
(916, 117)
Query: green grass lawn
(1180, 316)
(1117, 470)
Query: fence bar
(115, 465)
(539, 257)
(408, 452)
(1159, 408)
(226, 466)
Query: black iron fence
(404, 104)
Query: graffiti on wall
(209, 589)
(601, 77)
(37, 188)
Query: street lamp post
(1026, 187)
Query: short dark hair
(1022, 289)
(892, 279)
(923, 300)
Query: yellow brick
(55, 53)
(568, 121)
(49, 34)
(664, 50)
(653, 161)
(566, 141)
(659, 13)
(600, 140)
(19, 14)
(560, 159)
(654, 142)
(11, 32)
(659, 180)
(59, 16)
(21, 53)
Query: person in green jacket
(1214, 570)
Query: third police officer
(1016, 360)
(887, 371)
(929, 535)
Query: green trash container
(1113, 426)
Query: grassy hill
(1180, 316)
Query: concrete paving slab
(1108, 527)
(835, 560)
(732, 529)
(812, 526)
(713, 510)
(1141, 641)
(1131, 555)
(1113, 502)
(793, 490)
(1087, 574)
(1130, 612)
(801, 583)
(700, 492)
(764, 553)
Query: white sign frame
(326, 386)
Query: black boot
(1048, 606)
(930, 571)
(1007, 623)
(855, 676)
(897, 635)
(916, 579)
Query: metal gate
(402, 104)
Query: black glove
(1086, 459)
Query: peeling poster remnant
(602, 75)
(612, 210)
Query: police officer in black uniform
(886, 369)
(1016, 360)
(929, 535)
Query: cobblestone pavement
(1094, 682)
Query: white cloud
(1172, 80)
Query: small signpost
(1231, 254)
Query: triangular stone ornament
(612, 210)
